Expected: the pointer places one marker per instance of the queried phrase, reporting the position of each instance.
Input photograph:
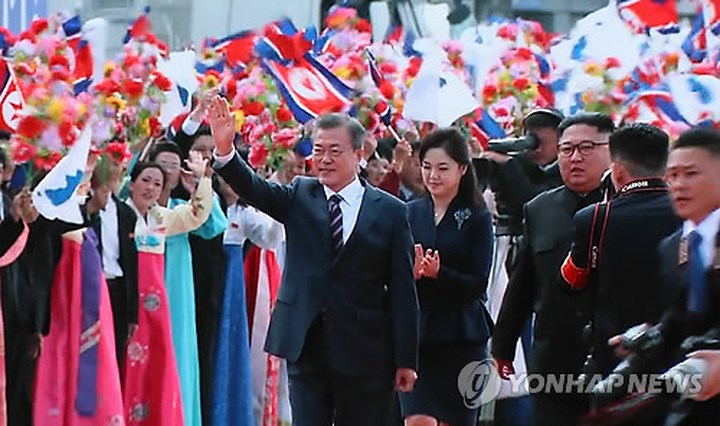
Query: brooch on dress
(461, 216)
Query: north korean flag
(646, 15)
(10, 99)
(309, 88)
(711, 13)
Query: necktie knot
(694, 239)
(334, 200)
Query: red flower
(48, 162)
(60, 74)
(163, 83)
(22, 151)
(508, 31)
(30, 127)
(414, 66)
(39, 25)
(524, 53)
(387, 90)
(489, 92)
(286, 138)
(155, 126)
(381, 107)
(133, 88)
(283, 114)
(387, 67)
(363, 26)
(118, 151)
(258, 155)
(612, 62)
(67, 135)
(253, 108)
(59, 61)
(108, 86)
(521, 83)
(130, 60)
(231, 88)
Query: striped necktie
(336, 226)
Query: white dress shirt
(2, 208)
(707, 229)
(249, 223)
(351, 197)
(110, 240)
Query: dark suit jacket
(451, 306)
(678, 324)
(629, 269)
(128, 253)
(367, 295)
(536, 286)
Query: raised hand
(197, 164)
(222, 125)
(203, 105)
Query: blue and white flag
(55, 196)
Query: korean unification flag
(180, 69)
(438, 96)
(55, 196)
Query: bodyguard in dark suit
(535, 284)
(690, 257)
(114, 224)
(346, 315)
(626, 290)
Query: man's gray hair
(335, 120)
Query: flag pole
(394, 133)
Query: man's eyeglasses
(333, 152)
(584, 148)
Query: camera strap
(601, 216)
(597, 234)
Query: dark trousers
(118, 301)
(20, 376)
(321, 397)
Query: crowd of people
(387, 251)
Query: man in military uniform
(535, 283)
(624, 288)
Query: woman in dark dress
(453, 237)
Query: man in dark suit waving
(346, 316)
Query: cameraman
(517, 179)
(627, 271)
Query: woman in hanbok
(77, 378)
(152, 385)
(179, 282)
(232, 401)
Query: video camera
(648, 355)
(529, 142)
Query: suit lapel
(320, 205)
(364, 220)
(426, 231)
